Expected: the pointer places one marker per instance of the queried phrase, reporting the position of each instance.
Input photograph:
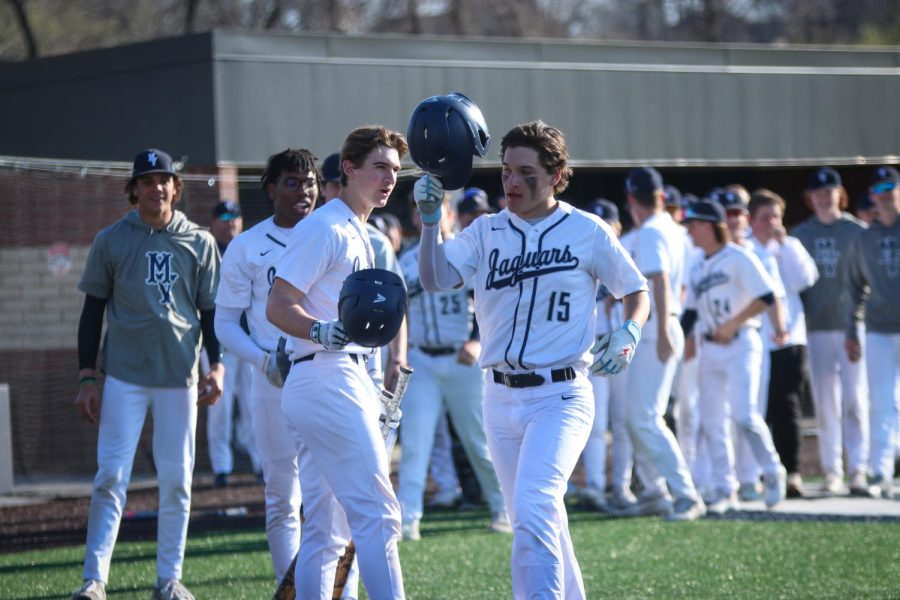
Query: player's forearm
(777, 315)
(235, 339)
(435, 271)
(90, 327)
(636, 307)
(284, 312)
(399, 344)
(751, 310)
(210, 340)
(659, 283)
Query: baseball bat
(286, 589)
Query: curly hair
(548, 142)
(300, 161)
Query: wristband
(87, 379)
(634, 329)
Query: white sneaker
(834, 485)
(723, 503)
(171, 589)
(881, 487)
(651, 505)
(775, 487)
(500, 522)
(410, 531)
(687, 509)
(594, 498)
(749, 492)
(91, 590)
(858, 484)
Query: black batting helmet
(372, 306)
(444, 133)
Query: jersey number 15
(559, 306)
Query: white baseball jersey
(658, 247)
(437, 319)
(333, 244)
(536, 285)
(248, 272)
(723, 284)
(798, 272)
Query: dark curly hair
(548, 142)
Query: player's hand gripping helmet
(444, 133)
(371, 306)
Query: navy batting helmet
(371, 306)
(444, 133)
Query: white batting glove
(270, 368)
(330, 334)
(615, 350)
(429, 195)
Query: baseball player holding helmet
(727, 291)
(329, 401)
(291, 181)
(154, 274)
(535, 267)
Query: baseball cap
(705, 210)
(727, 198)
(226, 210)
(688, 199)
(643, 180)
(673, 196)
(474, 200)
(152, 161)
(826, 177)
(604, 209)
(331, 167)
(884, 179)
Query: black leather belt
(356, 358)
(524, 380)
(443, 351)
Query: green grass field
(459, 558)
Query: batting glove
(330, 334)
(615, 350)
(429, 195)
(390, 411)
(270, 368)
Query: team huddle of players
(521, 327)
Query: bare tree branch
(190, 15)
(27, 32)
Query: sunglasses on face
(295, 183)
(884, 186)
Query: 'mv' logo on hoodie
(160, 274)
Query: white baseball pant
(842, 411)
(332, 407)
(687, 422)
(650, 383)
(883, 367)
(593, 459)
(219, 418)
(730, 385)
(747, 470)
(278, 457)
(622, 450)
(535, 436)
(122, 413)
(442, 468)
(442, 382)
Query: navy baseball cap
(826, 177)
(705, 210)
(226, 210)
(673, 196)
(884, 179)
(152, 161)
(727, 198)
(643, 180)
(331, 167)
(474, 200)
(688, 199)
(604, 209)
